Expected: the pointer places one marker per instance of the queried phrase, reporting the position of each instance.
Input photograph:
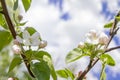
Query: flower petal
(19, 39)
(26, 42)
(26, 34)
(35, 42)
(36, 35)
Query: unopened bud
(20, 17)
(16, 42)
(16, 49)
(10, 78)
(81, 45)
(43, 44)
(103, 38)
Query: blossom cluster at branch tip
(95, 37)
(29, 40)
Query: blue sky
(63, 23)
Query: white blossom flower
(10, 79)
(43, 44)
(81, 45)
(103, 38)
(95, 37)
(16, 49)
(92, 37)
(29, 40)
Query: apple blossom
(92, 37)
(81, 45)
(10, 79)
(16, 49)
(29, 40)
(43, 44)
(103, 38)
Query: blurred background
(63, 23)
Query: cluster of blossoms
(28, 40)
(94, 37)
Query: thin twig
(92, 63)
(12, 30)
(114, 48)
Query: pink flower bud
(43, 44)
(20, 17)
(16, 49)
(10, 78)
(16, 42)
(81, 45)
(103, 38)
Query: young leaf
(118, 18)
(62, 73)
(74, 55)
(31, 30)
(52, 70)
(42, 55)
(5, 38)
(16, 61)
(15, 5)
(40, 70)
(108, 25)
(66, 73)
(26, 4)
(103, 74)
(2, 22)
(107, 59)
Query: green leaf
(74, 55)
(15, 5)
(26, 4)
(2, 22)
(50, 64)
(31, 30)
(107, 59)
(108, 25)
(5, 38)
(16, 61)
(118, 18)
(66, 73)
(42, 55)
(52, 71)
(103, 74)
(41, 70)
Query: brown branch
(114, 48)
(7, 17)
(12, 30)
(113, 32)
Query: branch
(12, 30)
(113, 32)
(110, 49)
(7, 17)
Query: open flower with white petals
(92, 37)
(103, 38)
(29, 40)
(96, 38)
